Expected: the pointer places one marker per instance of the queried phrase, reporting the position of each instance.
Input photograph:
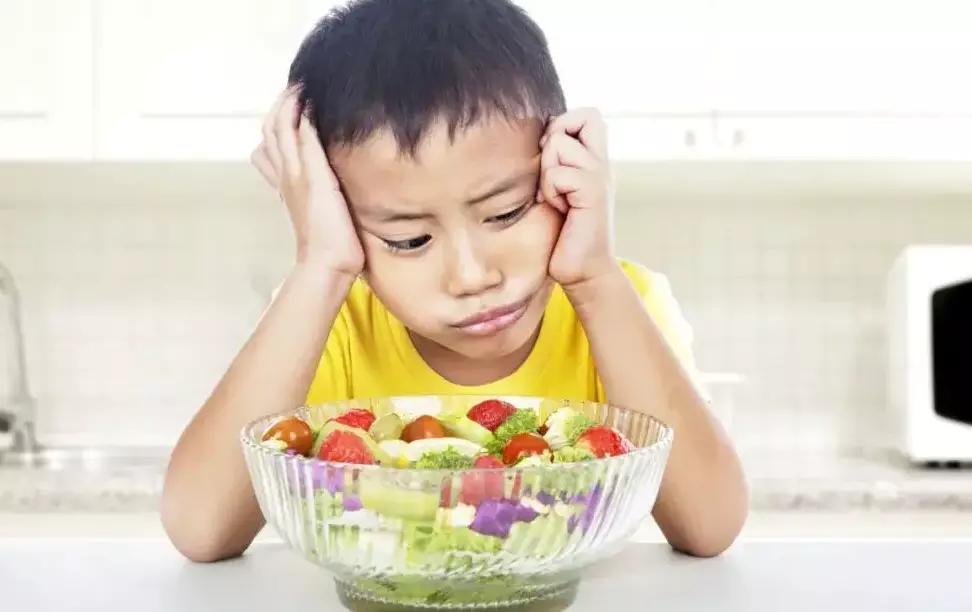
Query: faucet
(17, 416)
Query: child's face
(455, 232)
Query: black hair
(402, 65)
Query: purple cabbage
(590, 502)
(495, 517)
(546, 498)
(352, 503)
(327, 477)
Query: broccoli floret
(449, 459)
(565, 426)
(572, 454)
(521, 421)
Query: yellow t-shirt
(369, 353)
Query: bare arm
(209, 510)
(208, 507)
(703, 499)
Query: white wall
(140, 282)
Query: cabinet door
(846, 59)
(183, 79)
(660, 138)
(45, 68)
(648, 57)
(861, 138)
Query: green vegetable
(544, 536)
(521, 421)
(429, 538)
(449, 459)
(572, 454)
(328, 505)
(576, 425)
(462, 426)
(565, 426)
(393, 501)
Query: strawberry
(345, 447)
(491, 413)
(604, 441)
(362, 419)
(477, 487)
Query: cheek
(397, 281)
(536, 234)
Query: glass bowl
(398, 538)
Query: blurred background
(801, 170)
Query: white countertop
(148, 575)
(777, 482)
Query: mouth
(493, 320)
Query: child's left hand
(575, 179)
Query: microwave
(929, 304)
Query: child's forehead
(472, 159)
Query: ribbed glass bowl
(401, 538)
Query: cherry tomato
(523, 445)
(423, 427)
(295, 433)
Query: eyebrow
(501, 187)
(386, 215)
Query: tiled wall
(786, 285)
(140, 283)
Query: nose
(469, 270)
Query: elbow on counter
(714, 538)
(195, 536)
(713, 532)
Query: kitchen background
(773, 159)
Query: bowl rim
(662, 444)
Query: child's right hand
(293, 162)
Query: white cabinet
(694, 79)
(852, 138)
(183, 79)
(45, 80)
(647, 57)
(654, 137)
(764, 79)
(860, 58)
(837, 80)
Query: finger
(286, 136)
(565, 181)
(564, 150)
(585, 124)
(313, 157)
(262, 163)
(269, 138)
(557, 183)
(549, 159)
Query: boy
(453, 235)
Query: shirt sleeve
(332, 381)
(656, 294)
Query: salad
(453, 521)
(492, 434)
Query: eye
(409, 244)
(511, 217)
